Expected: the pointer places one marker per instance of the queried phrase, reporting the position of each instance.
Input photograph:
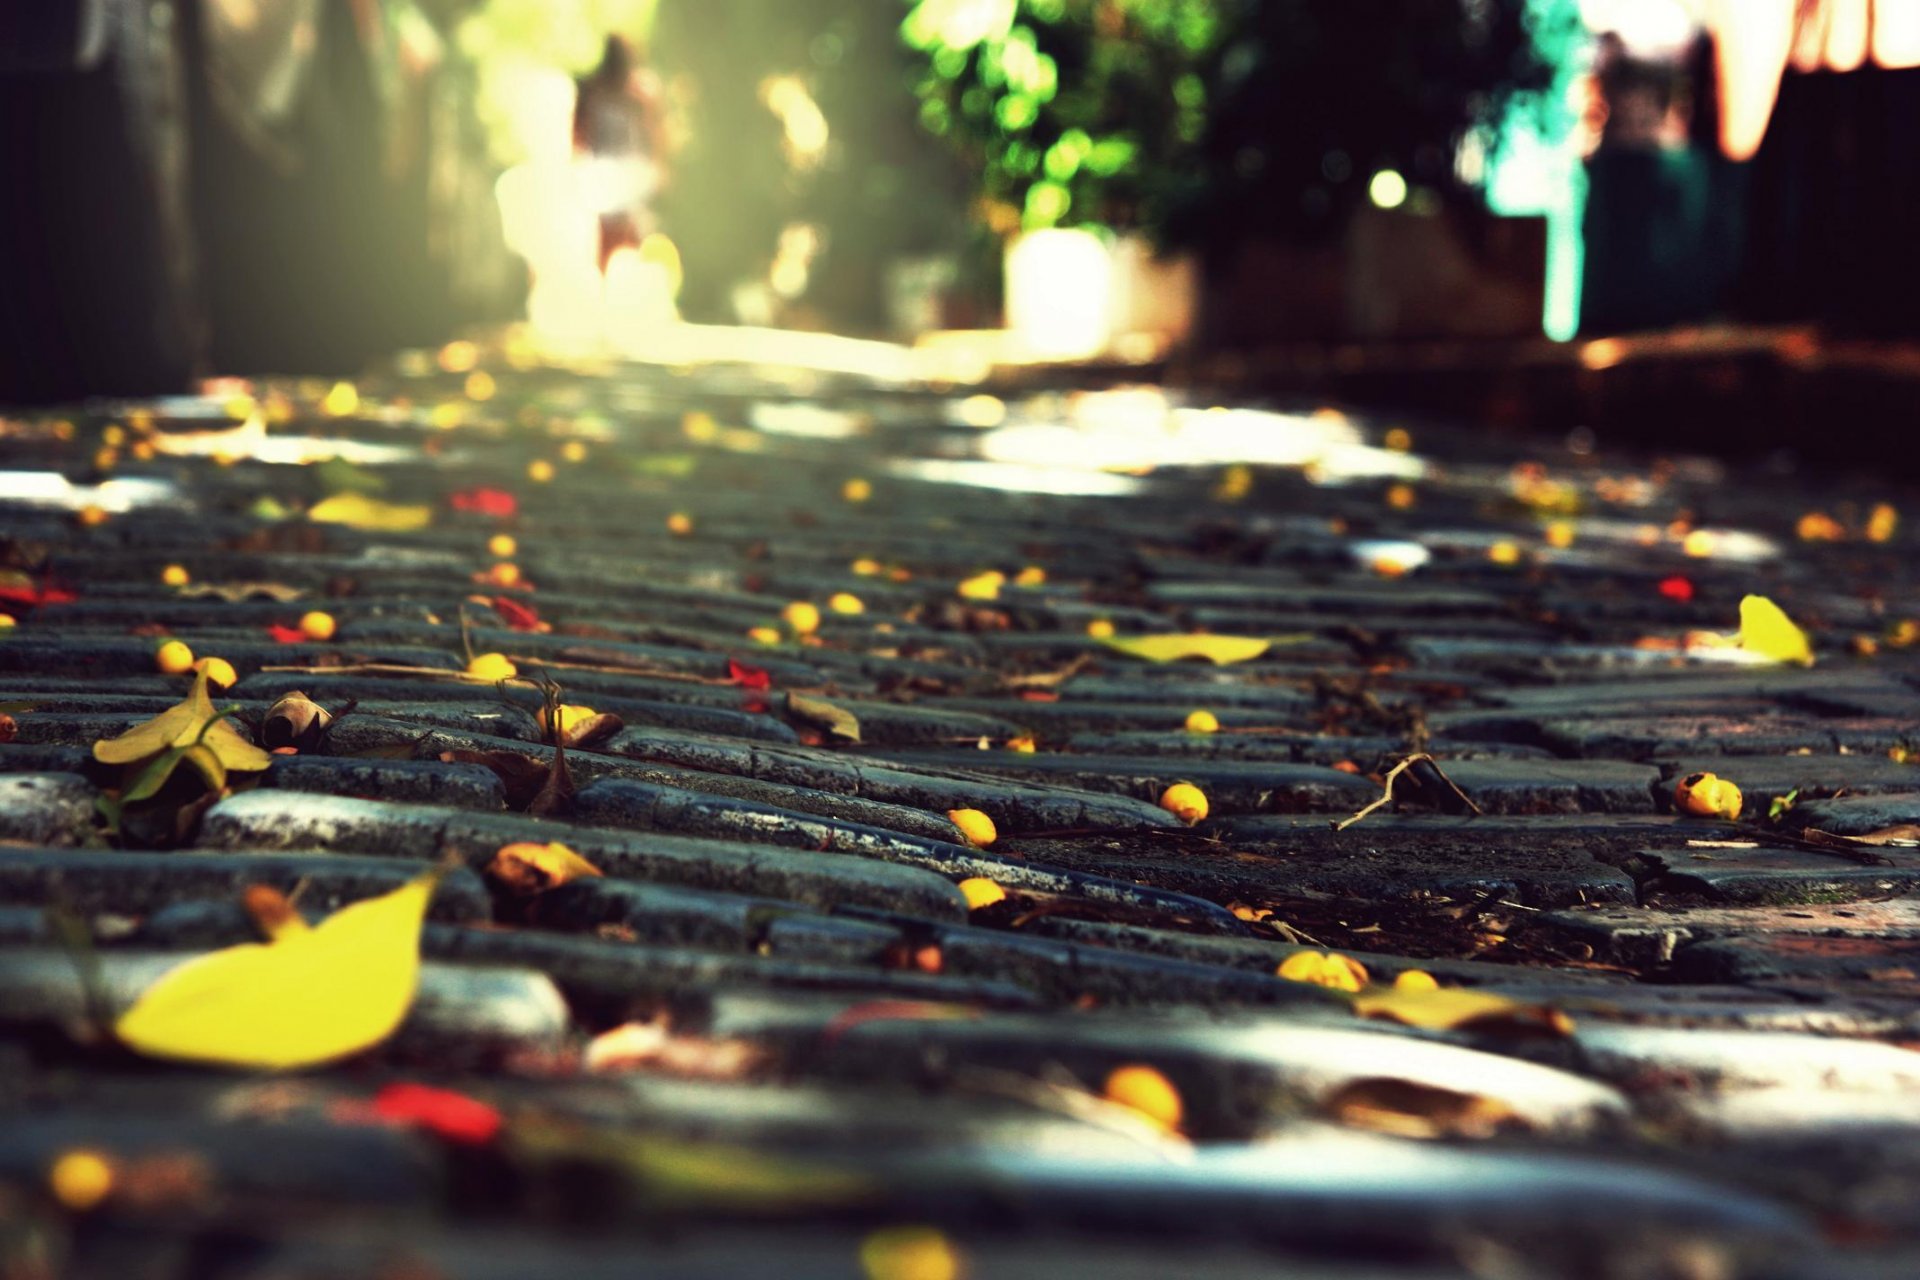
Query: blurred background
(1472, 206)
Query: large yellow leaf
(1766, 630)
(309, 996)
(357, 511)
(1217, 649)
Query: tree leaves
(307, 997)
(1219, 650)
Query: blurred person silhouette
(617, 136)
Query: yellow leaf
(308, 997)
(213, 746)
(1767, 631)
(527, 867)
(357, 511)
(1452, 1009)
(1217, 649)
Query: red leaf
(286, 635)
(891, 1011)
(751, 678)
(450, 1115)
(488, 502)
(1676, 588)
(32, 596)
(517, 616)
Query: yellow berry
(502, 546)
(1700, 544)
(91, 516)
(1031, 576)
(1504, 553)
(480, 385)
(175, 575)
(1399, 439)
(1707, 795)
(1185, 801)
(1401, 497)
(1560, 534)
(7, 620)
(173, 657)
(219, 671)
(981, 892)
(114, 436)
(1100, 629)
(1324, 969)
(1203, 722)
(803, 617)
(343, 399)
(679, 524)
(1146, 1091)
(492, 666)
(845, 602)
(763, 635)
(540, 471)
(1024, 745)
(503, 574)
(976, 826)
(857, 490)
(866, 568)
(909, 1253)
(574, 451)
(80, 1180)
(1415, 980)
(317, 625)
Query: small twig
(1386, 789)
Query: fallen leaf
(653, 1045)
(836, 720)
(488, 502)
(1215, 649)
(357, 511)
(309, 996)
(517, 616)
(286, 635)
(17, 588)
(1900, 835)
(528, 867)
(1766, 630)
(748, 677)
(1408, 1109)
(1454, 1009)
(190, 731)
(520, 775)
(234, 592)
(442, 1112)
(294, 721)
(583, 726)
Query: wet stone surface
(806, 1023)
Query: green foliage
(1072, 111)
(1217, 121)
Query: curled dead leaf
(295, 721)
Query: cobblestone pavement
(776, 1037)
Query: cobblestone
(788, 1014)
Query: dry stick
(1386, 789)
